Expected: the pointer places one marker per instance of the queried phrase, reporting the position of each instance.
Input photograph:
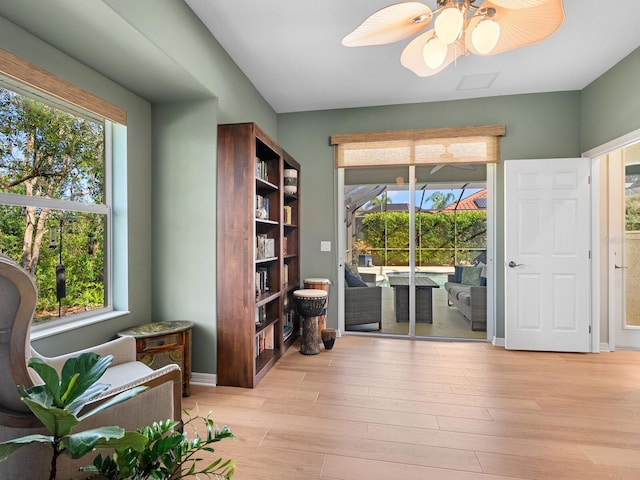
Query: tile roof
(477, 201)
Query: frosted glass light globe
(434, 53)
(448, 25)
(485, 36)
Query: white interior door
(547, 250)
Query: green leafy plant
(62, 403)
(168, 454)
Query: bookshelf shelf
(256, 316)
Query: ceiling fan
(454, 165)
(447, 158)
(461, 27)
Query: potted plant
(160, 451)
(168, 454)
(363, 252)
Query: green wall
(611, 104)
(538, 126)
(184, 231)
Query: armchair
(362, 305)
(18, 297)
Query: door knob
(620, 266)
(513, 264)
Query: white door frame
(597, 247)
(341, 246)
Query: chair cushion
(353, 280)
(118, 375)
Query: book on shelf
(285, 274)
(264, 341)
(262, 207)
(261, 315)
(285, 247)
(261, 170)
(262, 281)
(287, 328)
(287, 215)
(286, 332)
(265, 247)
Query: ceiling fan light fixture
(485, 36)
(434, 53)
(449, 24)
(462, 26)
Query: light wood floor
(381, 408)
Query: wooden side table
(162, 343)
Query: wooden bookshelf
(257, 254)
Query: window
(54, 214)
(56, 200)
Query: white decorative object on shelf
(290, 178)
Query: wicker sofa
(362, 304)
(469, 299)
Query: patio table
(424, 297)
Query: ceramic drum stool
(320, 284)
(309, 304)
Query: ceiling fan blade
(519, 3)
(413, 59)
(521, 26)
(390, 24)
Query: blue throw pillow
(471, 276)
(353, 280)
(457, 276)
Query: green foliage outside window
(48, 155)
(441, 238)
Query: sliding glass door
(404, 231)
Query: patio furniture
(362, 306)
(469, 296)
(424, 296)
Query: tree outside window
(53, 211)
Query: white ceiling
(291, 51)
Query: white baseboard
(604, 347)
(204, 379)
(497, 342)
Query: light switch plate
(325, 246)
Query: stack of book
(261, 170)
(265, 247)
(262, 280)
(264, 341)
